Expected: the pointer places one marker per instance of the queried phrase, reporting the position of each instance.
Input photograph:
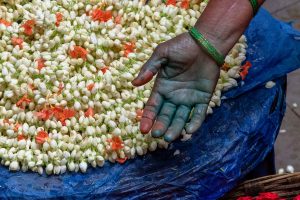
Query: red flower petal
(17, 41)
(21, 137)
(41, 137)
(245, 70)
(297, 197)
(28, 27)
(89, 112)
(129, 48)
(121, 160)
(41, 63)
(44, 114)
(24, 99)
(171, 2)
(104, 69)
(116, 143)
(78, 52)
(101, 15)
(59, 18)
(269, 196)
(185, 4)
(90, 86)
(5, 22)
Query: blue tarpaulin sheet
(231, 142)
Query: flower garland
(66, 98)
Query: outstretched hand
(186, 79)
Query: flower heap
(66, 98)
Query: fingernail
(156, 133)
(168, 138)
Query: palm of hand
(186, 80)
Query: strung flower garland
(66, 98)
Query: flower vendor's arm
(187, 76)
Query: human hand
(186, 79)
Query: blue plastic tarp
(231, 142)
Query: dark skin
(186, 75)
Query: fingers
(178, 123)
(151, 110)
(163, 120)
(151, 67)
(197, 118)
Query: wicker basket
(286, 185)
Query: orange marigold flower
(59, 18)
(28, 27)
(116, 143)
(78, 52)
(41, 63)
(41, 137)
(5, 22)
(129, 48)
(245, 70)
(89, 112)
(101, 15)
(17, 41)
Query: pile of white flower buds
(84, 61)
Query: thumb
(150, 68)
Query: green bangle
(207, 46)
(255, 6)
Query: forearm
(224, 21)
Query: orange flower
(104, 69)
(116, 143)
(25, 100)
(139, 114)
(41, 63)
(101, 15)
(89, 112)
(78, 52)
(17, 41)
(6, 23)
(118, 19)
(171, 2)
(59, 18)
(28, 27)
(90, 86)
(245, 70)
(121, 160)
(185, 4)
(41, 137)
(129, 48)
(21, 137)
